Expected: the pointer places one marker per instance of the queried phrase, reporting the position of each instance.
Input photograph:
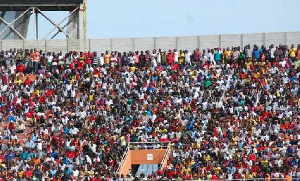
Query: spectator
(228, 114)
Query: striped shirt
(95, 60)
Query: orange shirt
(287, 178)
(36, 56)
(268, 177)
(36, 161)
(107, 58)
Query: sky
(161, 18)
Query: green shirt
(297, 64)
(241, 56)
(207, 83)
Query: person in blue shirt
(53, 172)
(67, 130)
(148, 129)
(11, 118)
(256, 53)
(189, 126)
(30, 155)
(10, 156)
(54, 155)
(240, 144)
(23, 155)
(41, 154)
(218, 56)
(67, 171)
(29, 143)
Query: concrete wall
(126, 165)
(138, 157)
(165, 43)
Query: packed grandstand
(228, 113)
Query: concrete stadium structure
(164, 43)
(16, 14)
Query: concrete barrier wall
(131, 44)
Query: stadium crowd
(229, 113)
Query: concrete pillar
(82, 24)
(77, 23)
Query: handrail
(165, 156)
(158, 142)
(145, 145)
(257, 179)
(123, 159)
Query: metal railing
(259, 179)
(148, 145)
(123, 159)
(166, 157)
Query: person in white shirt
(187, 57)
(175, 56)
(210, 57)
(74, 130)
(159, 56)
(39, 145)
(101, 59)
(153, 59)
(75, 172)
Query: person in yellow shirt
(293, 52)
(187, 170)
(248, 64)
(91, 97)
(18, 81)
(20, 173)
(36, 92)
(132, 69)
(107, 57)
(207, 158)
(227, 54)
(181, 57)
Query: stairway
(147, 169)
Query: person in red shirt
(70, 154)
(80, 65)
(214, 177)
(42, 99)
(29, 114)
(255, 168)
(170, 174)
(170, 57)
(28, 173)
(20, 68)
(88, 58)
(175, 67)
(27, 81)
